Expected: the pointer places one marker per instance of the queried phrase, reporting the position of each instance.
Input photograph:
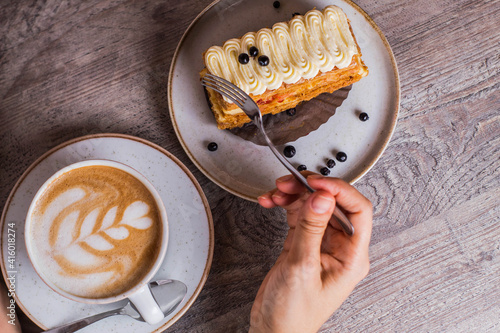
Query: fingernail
(315, 176)
(321, 204)
(284, 178)
(277, 195)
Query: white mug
(139, 293)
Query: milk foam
(95, 238)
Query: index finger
(291, 185)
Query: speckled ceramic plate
(248, 170)
(191, 239)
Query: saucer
(191, 234)
(248, 170)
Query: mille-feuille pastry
(283, 66)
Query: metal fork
(246, 103)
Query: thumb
(312, 221)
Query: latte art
(96, 231)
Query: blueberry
(289, 151)
(341, 156)
(276, 4)
(295, 14)
(263, 60)
(363, 116)
(325, 171)
(291, 112)
(243, 58)
(212, 146)
(253, 51)
(330, 163)
(301, 167)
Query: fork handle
(340, 217)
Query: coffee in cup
(96, 232)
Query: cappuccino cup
(96, 232)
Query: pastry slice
(281, 67)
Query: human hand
(319, 265)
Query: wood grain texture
(73, 68)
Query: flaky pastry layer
(288, 95)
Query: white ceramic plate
(191, 236)
(248, 170)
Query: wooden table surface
(69, 69)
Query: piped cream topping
(298, 49)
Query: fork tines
(225, 88)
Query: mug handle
(146, 305)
